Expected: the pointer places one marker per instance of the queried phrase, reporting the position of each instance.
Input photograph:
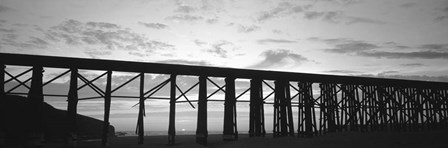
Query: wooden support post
(230, 131)
(277, 123)
(107, 101)
(2, 81)
(328, 97)
(2, 104)
(306, 90)
(282, 110)
(36, 100)
(172, 120)
(289, 109)
(141, 110)
(201, 131)
(72, 108)
(256, 113)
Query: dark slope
(55, 125)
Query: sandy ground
(437, 139)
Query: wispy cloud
(187, 62)
(7, 30)
(406, 55)
(435, 47)
(442, 14)
(358, 20)
(264, 41)
(247, 29)
(361, 48)
(102, 25)
(4, 9)
(351, 47)
(106, 35)
(154, 25)
(408, 5)
(343, 72)
(199, 42)
(412, 65)
(339, 17)
(221, 48)
(95, 53)
(185, 17)
(396, 75)
(279, 58)
(282, 9)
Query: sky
(405, 39)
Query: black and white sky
(348, 37)
(379, 38)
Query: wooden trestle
(325, 103)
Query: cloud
(387, 73)
(4, 9)
(11, 40)
(154, 25)
(394, 45)
(412, 65)
(279, 58)
(7, 30)
(221, 48)
(185, 17)
(185, 9)
(247, 29)
(406, 55)
(435, 47)
(104, 35)
(199, 42)
(187, 62)
(102, 25)
(408, 77)
(351, 47)
(212, 20)
(263, 41)
(442, 14)
(361, 48)
(95, 53)
(357, 20)
(38, 41)
(408, 5)
(282, 9)
(339, 17)
(342, 72)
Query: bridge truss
(325, 103)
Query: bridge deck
(158, 68)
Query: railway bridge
(342, 103)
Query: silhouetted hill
(55, 123)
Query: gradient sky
(378, 38)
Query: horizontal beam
(157, 68)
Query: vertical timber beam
(283, 124)
(107, 101)
(201, 130)
(72, 107)
(2, 104)
(36, 99)
(256, 113)
(141, 110)
(172, 122)
(230, 131)
(306, 90)
(289, 109)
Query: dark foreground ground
(437, 139)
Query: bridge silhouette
(344, 103)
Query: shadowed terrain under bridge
(343, 103)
